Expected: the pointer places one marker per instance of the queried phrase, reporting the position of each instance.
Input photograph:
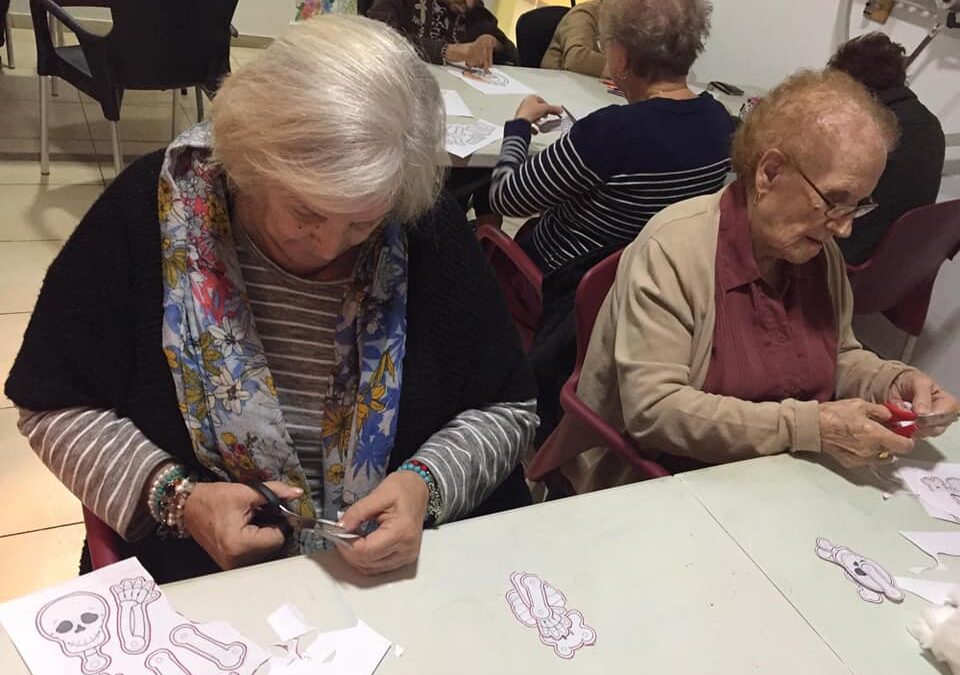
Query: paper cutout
(454, 104)
(937, 592)
(937, 486)
(288, 623)
(464, 139)
(66, 629)
(495, 81)
(78, 622)
(133, 624)
(537, 604)
(934, 544)
(872, 580)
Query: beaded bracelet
(173, 508)
(168, 495)
(158, 488)
(434, 500)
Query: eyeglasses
(835, 211)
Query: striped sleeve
(103, 459)
(522, 187)
(476, 451)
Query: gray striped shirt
(105, 460)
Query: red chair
(898, 280)
(103, 542)
(581, 428)
(519, 277)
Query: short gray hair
(337, 110)
(662, 37)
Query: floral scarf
(224, 387)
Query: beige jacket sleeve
(662, 410)
(575, 45)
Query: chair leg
(11, 62)
(56, 30)
(115, 142)
(908, 346)
(44, 136)
(199, 103)
(173, 116)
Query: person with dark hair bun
(914, 168)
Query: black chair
(535, 29)
(153, 45)
(6, 37)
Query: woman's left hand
(533, 109)
(399, 505)
(925, 397)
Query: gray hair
(662, 37)
(338, 110)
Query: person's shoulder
(441, 238)
(683, 227)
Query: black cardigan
(95, 339)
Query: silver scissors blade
(937, 419)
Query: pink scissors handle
(902, 422)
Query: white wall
(759, 42)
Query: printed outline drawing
(491, 78)
(163, 662)
(468, 134)
(537, 604)
(872, 580)
(133, 621)
(219, 652)
(70, 609)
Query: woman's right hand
(479, 53)
(852, 432)
(534, 108)
(218, 516)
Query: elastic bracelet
(159, 486)
(418, 468)
(173, 507)
(434, 500)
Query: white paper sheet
(288, 623)
(454, 104)
(465, 138)
(116, 620)
(937, 592)
(934, 544)
(937, 486)
(495, 82)
(352, 651)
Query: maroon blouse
(768, 345)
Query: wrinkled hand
(218, 515)
(852, 432)
(479, 53)
(399, 505)
(925, 397)
(533, 109)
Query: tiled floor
(40, 522)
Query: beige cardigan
(650, 351)
(575, 45)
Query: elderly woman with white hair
(282, 298)
(727, 332)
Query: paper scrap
(935, 543)
(117, 618)
(288, 623)
(454, 104)
(537, 604)
(398, 651)
(356, 651)
(937, 486)
(874, 583)
(463, 139)
(494, 81)
(937, 592)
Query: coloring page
(937, 486)
(463, 139)
(494, 82)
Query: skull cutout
(78, 622)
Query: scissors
(906, 423)
(274, 509)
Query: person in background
(726, 334)
(444, 31)
(282, 296)
(914, 168)
(597, 186)
(576, 43)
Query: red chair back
(898, 280)
(103, 542)
(519, 277)
(581, 428)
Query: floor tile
(12, 328)
(21, 119)
(23, 168)
(23, 265)
(23, 479)
(24, 85)
(36, 560)
(137, 123)
(32, 212)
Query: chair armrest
(64, 17)
(516, 255)
(102, 542)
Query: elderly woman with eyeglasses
(282, 298)
(726, 334)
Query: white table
(582, 94)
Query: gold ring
(883, 455)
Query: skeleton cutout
(226, 656)
(133, 622)
(873, 581)
(78, 622)
(536, 603)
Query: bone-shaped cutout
(226, 656)
(94, 661)
(163, 662)
(133, 621)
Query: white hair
(339, 111)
